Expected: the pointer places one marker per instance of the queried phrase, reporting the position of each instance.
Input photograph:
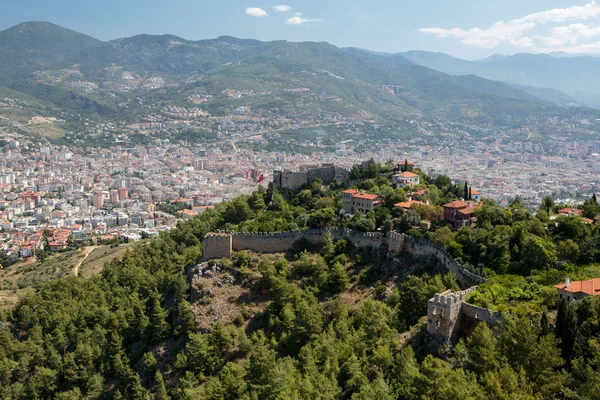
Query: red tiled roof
(590, 287)
(407, 174)
(350, 191)
(570, 211)
(475, 192)
(467, 211)
(408, 204)
(365, 196)
(456, 204)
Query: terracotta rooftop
(467, 210)
(350, 191)
(408, 204)
(570, 211)
(407, 174)
(365, 196)
(590, 287)
(456, 204)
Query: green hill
(330, 321)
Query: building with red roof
(571, 211)
(572, 291)
(406, 178)
(354, 201)
(460, 213)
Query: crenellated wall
(216, 244)
(448, 313)
(443, 312)
(419, 246)
(307, 175)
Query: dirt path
(87, 252)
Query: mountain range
(75, 73)
(575, 76)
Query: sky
(469, 29)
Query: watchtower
(443, 312)
(217, 245)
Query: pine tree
(158, 328)
(161, 390)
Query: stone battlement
(307, 175)
(449, 314)
(445, 311)
(452, 297)
(216, 243)
(420, 246)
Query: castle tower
(217, 245)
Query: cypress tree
(466, 191)
(545, 329)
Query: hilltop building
(460, 213)
(307, 175)
(573, 291)
(354, 201)
(405, 178)
(404, 166)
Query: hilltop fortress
(448, 314)
(308, 174)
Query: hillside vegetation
(330, 323)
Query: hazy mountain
(575, 76)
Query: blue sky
(468, 29)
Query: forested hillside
(330, 323)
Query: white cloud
(298, 20)
(282, 8)
(513, 32)
(256, 12)
(570, 34)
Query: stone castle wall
(479, 314)
(418, 246)
(443, 312)
(448, 313)
(218, 245)
(396, 242)
(221, 245)
(307, 176)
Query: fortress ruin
(448, 313)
